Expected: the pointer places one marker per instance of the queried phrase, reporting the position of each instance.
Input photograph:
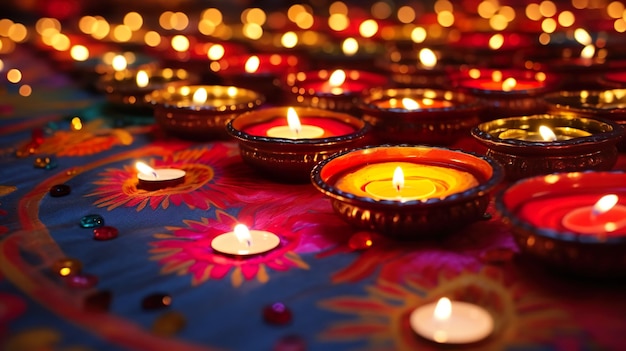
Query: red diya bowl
(290, 159)
(607, 104)
(407, 70)
(312, 88)
(614, 80)
(542, 212)
(582, 144)
(176, 112)
(440, 116)
(259, 72)
(505, 92)
(124, 91)
(489, 48)
(444, 189)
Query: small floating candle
(154, 179)
(452, 322)
(244, 242)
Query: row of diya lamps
(405, 189)
(564, 204)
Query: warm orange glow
(509, 84)
(119, 63)
(496, 41)
(398, 179)
(443, 309)
(243, 234)
(410, 104)
(142, 79)
(368, 28)
(289, 39)
(605, 203)
(200, 96)
(547, 134)
(14, 75)
(180, 43)
(350, 46)
(79, 53)
(337, 78)
(293, 120)
(427, 57)
(215, 52)
(588, 51)
(252, 64)
(76, 124)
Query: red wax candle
(486, 84)
(331, 127)
(422, 104)
(572, 212)
(321, 82)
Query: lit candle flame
(588, 51)
(119, 63)
(398, 179)
(582, 36)
(200, 96)
(243, 234)
(547, 134)
(145, 169)
(410, 104)
(509, 84)
(142, 79)
(252, 64)
(428, 58)
(443, 309)
(496, 41)
(603, 205)
(337, 78)
(293, 121)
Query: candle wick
(154, 173)
(248, 242)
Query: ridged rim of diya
(97, 65)
(544, 184)
(581, 254)
(602, 132)
(292, 81)
(614, 80)
(110, 82)
(410, 219)
(550, 82)
(494, 174)
(571, 101)
(167, 97)
(235, 126)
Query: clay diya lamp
(284, 143)
(575, 221)
(260, 72)
(507, 92)
(607, 104)
(201, 111)
(436, 117)
(406, 191)
(338, 90)
(128, 89)
(541, 144)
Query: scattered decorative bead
(46, 162)
(169, 323)
(156, 301)
(26, 150)
(361, 241)
(92, 221)
(37, 136)
(60, 190)
(277, 313)
(105, 233)
(497, 256)
(98, 301)
(486, 216)
(67, 266)
(290, 343)
(81, 281)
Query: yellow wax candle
(421, 181)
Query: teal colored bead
(48, 162)
(92, 221)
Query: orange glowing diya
(406, 191)
(425, 116)
(201, 111)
